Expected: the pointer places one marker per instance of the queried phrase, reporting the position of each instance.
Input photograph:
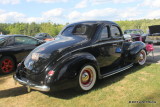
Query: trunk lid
(41, 56)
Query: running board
(117, 71)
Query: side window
(104, 33)
(25, 41)
(115, 31)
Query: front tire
(7, 65)
(142, 57)
(87, 78)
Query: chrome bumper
(31, 85)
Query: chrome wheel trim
(87, 78)
(142, 57)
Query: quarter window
(115, 31)
(2, 41)
(104, 33)
(25, 41)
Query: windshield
(132, 32)
(39, 34)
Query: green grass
(140, 83)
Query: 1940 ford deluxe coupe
(82, 53)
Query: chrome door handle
(114, 44)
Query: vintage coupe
(82, 53)
(136, 34)
(13, 49)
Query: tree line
(30, 28)
(53, 29)
(138, 24)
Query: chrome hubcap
(141, 56)
(85, 77)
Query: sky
(68, 11)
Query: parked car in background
(154, 34)
(82, 53)
(14, 48)
(136, 34)
(44, 36)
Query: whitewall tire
(142, 57)
(87, 78)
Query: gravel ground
(156, 58)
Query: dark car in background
(82, 53)
(14, 48)
(44, 36)
(136, 34)
(154, 34)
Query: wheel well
(87, 62)
(12, 56)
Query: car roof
(95, 22)
(134, 29)
(16, 35)
(11, 35)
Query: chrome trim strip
(31, 85)
(117, 71)
(116, 41)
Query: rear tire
(142, 57)
(87, 78)
(7, 65)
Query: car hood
(51, 51)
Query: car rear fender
(67, 71)
(74, 63)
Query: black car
(13, 48)
(82, 53)
(44, 36)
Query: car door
(23, 45)
(108, 48)
(117, 42)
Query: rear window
(81, 29)
(68, 31)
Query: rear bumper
(31, 85)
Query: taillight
(51, 73)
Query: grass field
(140, 83)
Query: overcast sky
(63, 11)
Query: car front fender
(132, 49)
(136, 47)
